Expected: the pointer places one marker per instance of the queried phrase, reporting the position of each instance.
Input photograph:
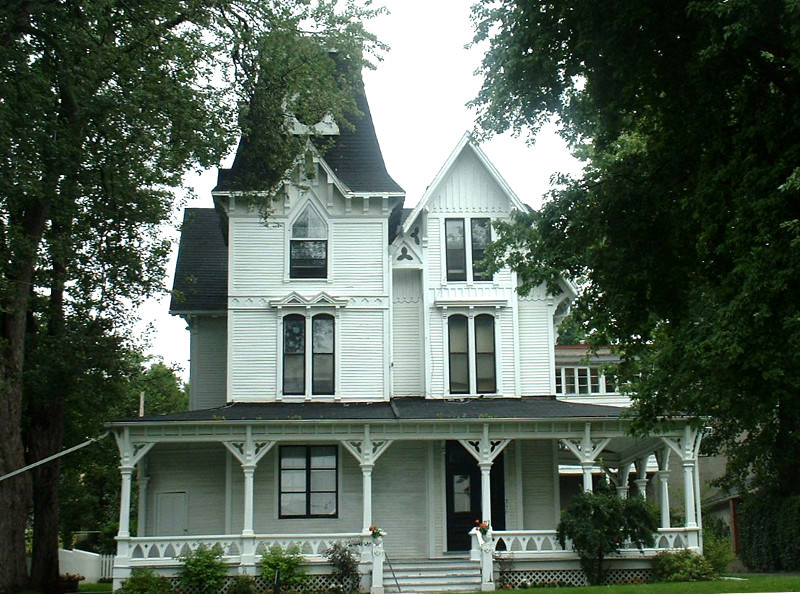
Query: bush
(242, 584)
(768, 532)
(717, 545)
(144, 581)
(288, 563)
(682, 566)
(203, 570)
(345, 566)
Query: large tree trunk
(15, 492)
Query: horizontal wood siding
(537, 485)
(362, 363)
(407, 356)
(256, 256)
(253, 361)
(208, 356)
(534, 348)
(358, 256)
(199, 471)
(506, 363)
(399, 499)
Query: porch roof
(397, 409)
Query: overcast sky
(417, 97)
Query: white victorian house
(353, 366)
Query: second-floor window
(471, 354)
(465, 246)
(583, 380)
(308, 247)
(304, 358)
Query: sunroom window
(308, 249)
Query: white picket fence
(91, 566)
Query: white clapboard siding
(504, 360)
(535, 350)
(362, 365)
(398, 499)
(537, 485)
(252, 355)
(208, 354)
(407, 352)
(256, 256)
(200, 473)
(358, 256)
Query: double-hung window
(308, 481)
(308, 246)
(304, 358)
(465, 246)
(471, 354)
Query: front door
(463, 486)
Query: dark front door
(463, 486)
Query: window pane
(322, 383)
(293, 504)
(459, 374)
(484, 368)
(569, 380)
(484, 334)
(323, 457)
(455, 250)
(583, 380)
(462, 493)
(459, 357)
(480, 236)
(322, 334)
(594, 376)
(323, 504)
(457, 330)
(308, 259)
(294, 333)
(293, 457)
(294, 374)
(323, 480)
(293, 481)
(309, 225)
(559, 387)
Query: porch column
(662, 457)
(125, 501)
(587, 452)
(143, 480)
(485, 451)
(641, 477)
(688, 447)
(367, 452)
(366, 490)
(620, 480)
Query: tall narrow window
(484, 355)
(459, 355)
(456, 253)
(471, 354)
(308, 481)
(322, 354)
(294, 354)
(308, 249)
(480, 237)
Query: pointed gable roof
(465, 144)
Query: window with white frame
(308, 246)
(313, 358)
(465, 246)
(308, 481)
(583, 380)
(471, 354)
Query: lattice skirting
(312, 583)
(568, 577)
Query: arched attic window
(308, 249)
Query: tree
(599, 522)
(684, 229)
(103, 107)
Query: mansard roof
(354, 157)
(201, 273)
(398, 409)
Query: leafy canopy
(683, 230)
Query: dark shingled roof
(201, 273)
(355, 157)
(399, 409)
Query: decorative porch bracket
(687, 448)
(586, 451)
(367, 452)
(620, 478)
(485, 451)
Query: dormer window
(308, 249)
(463, 263)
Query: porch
(423, 471)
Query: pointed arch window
(308, 249)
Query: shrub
(144, 581)
(242, 584)
(345, 566)
(203, 570)
(599, 522)
(681, 566)
(717, 545)
(767, 532)
(288, 563)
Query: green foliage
(717, 545)
(145, 581)
(288, 563)
(203, 569)
(345, 566)
(682, 566)
(682, 231)
(768, 533)
(241, 584)
(599, 523)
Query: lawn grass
(95, 587)
(749, 583)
